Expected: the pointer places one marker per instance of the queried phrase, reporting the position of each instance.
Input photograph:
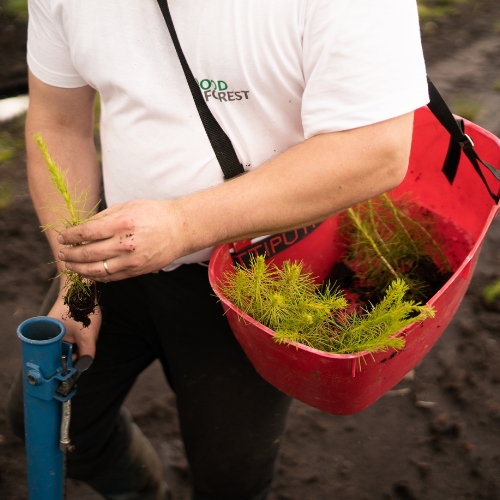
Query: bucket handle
(459, 141)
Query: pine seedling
(80, 292)
(283, 299)
(392, 241)
(289, 302)
(375, 329)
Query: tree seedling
(288, 301)
(391, 240)
(79, 292)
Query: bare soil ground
(435, 436)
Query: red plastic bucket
(343, 384)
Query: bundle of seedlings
(391, 240)
(288, 301)
(79, 292)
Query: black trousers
(231, 420)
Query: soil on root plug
(81, 303)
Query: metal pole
(41, 357)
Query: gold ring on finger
(105, 264)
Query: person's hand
(126, 240)
(84, 338)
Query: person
(317, 97)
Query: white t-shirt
(274, 72)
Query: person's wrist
(179, 230)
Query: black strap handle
(221, 144)
(459, 141)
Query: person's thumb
(83, 338)
(86, 338)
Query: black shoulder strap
(221, 144)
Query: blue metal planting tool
(49, 384)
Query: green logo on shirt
(218, 90)
(207, 84)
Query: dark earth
(81, 302)
(434, 436)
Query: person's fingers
(117, 269)
(99, 271)
(83, 338)
(88, 231)
(90, 252)
(132, 240)
(99, 227)
(86, 343)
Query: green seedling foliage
(391, 240)
(73, 211)
(58, 178)
(275, 296)
(375, 328)
(288, 301)
(80, 293)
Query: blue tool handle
(41, 355)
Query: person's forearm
(305, 184)
(69, 139)
(76, 152)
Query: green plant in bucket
(80, 292)
(374, 328)
(288, 301)
(390, 240)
